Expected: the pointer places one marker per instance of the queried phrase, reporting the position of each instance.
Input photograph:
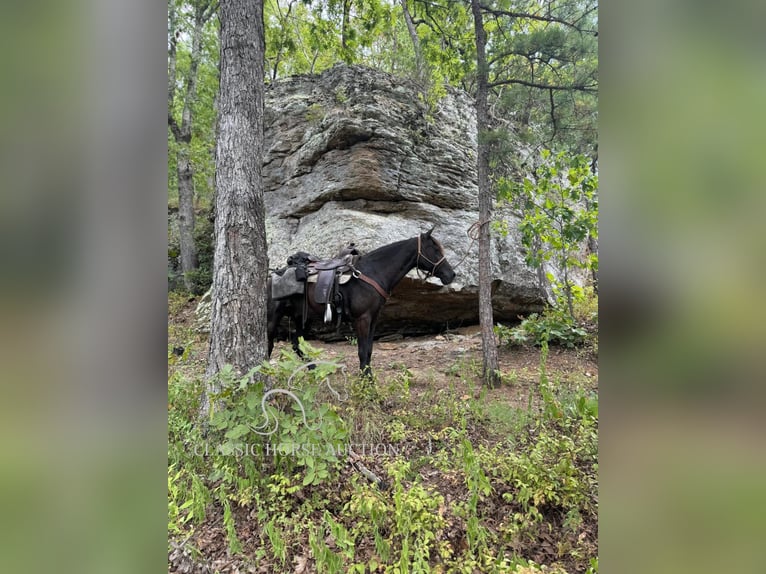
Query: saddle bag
(286, 284)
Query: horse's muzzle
(447, 275)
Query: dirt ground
(446, 359)
(441, 360)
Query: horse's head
(431, 258)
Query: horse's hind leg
(296, 334)
(297, 318)
(275, 312)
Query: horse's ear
(428, 233)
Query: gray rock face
(354, 155)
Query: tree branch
(589, 88)
(537, 17)
(173, 124)
(211, 9)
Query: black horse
(363, 297)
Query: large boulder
(353, 154)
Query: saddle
(328, 274)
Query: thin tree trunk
(593, 249)
(419, 62)
(283, 24)
(592, 241)
(542, 278)
(183, 134)
(185, 173)
(489, 348)
(568, 291)
(172, 42)
(345, 23)
(240, 268)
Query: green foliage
(204, 239)
(315, 113)
(398, 387)
(301, 435)
(478, 488)
(200, 148)
(553, 326)
(554, 466)
(554, 470)
(538, 54)
(341, 97)
(543, 75)
(406, 524)
(177, 504)
(474, 485)
(277, 540)
(327, 559)
(559, 205)
(259, 445)
(309, 36)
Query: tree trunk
(283, 33)
(593, 249)
(489, 348)
(542, 278)
(186, 214)
(345, 23)
(419, 62)
(240, 267)
(183, 132)
(172, 42)
(592, 241)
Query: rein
(473, 235)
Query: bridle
(434, 264)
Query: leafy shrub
(204, 239)
(559, 204)
(586, 306)
(552, 470)
(408, 523)
(553, 326)
(260, 446)
(296, 431)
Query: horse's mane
(385, 249)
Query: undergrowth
(556, 326)
(450, 482)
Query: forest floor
(439, 370)
(434, 358)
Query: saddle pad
(345, 278)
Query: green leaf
(252, 400)
(238, 431)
